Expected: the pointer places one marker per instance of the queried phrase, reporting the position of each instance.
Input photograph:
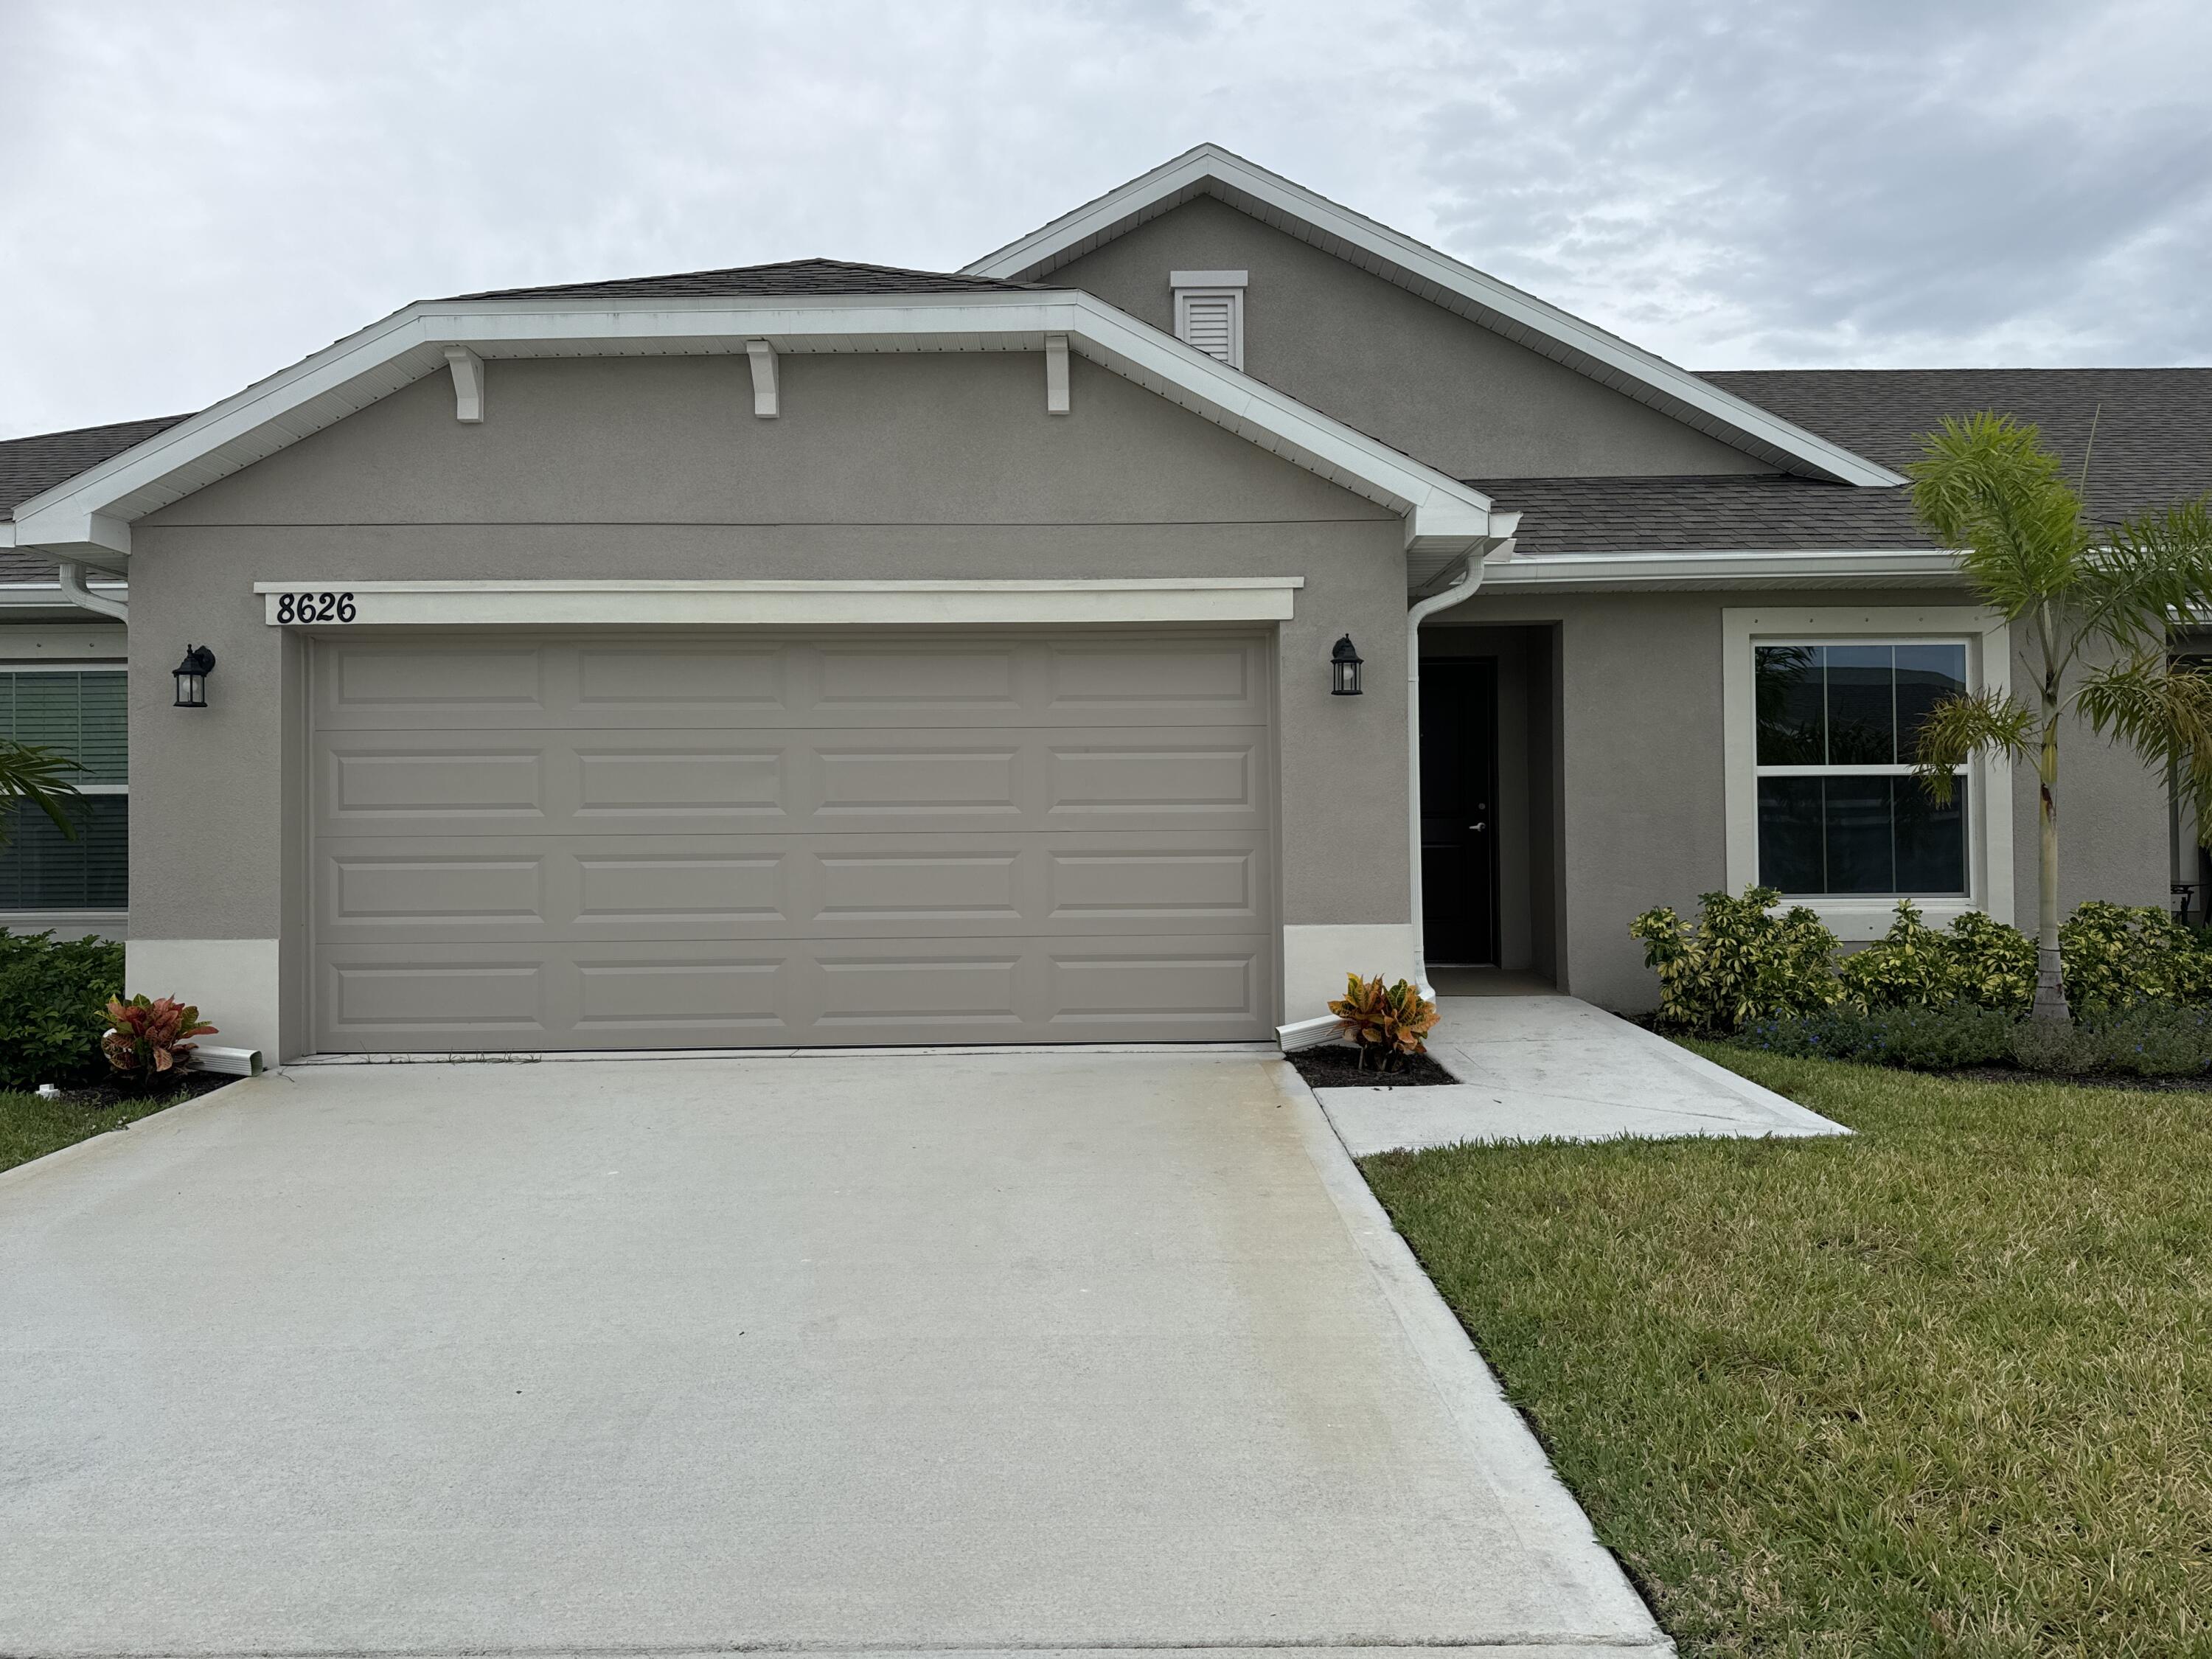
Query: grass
(31, 1127)
(1943, 1388)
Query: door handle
(1478, 826)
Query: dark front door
(1459, 798)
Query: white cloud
(197, 195)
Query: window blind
(81, 712)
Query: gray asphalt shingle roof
(793, 277)
(30, 466)
(2153, 425)
(1703, 514)
(2153, 449)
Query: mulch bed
(1336, 1066)
(183, 1085)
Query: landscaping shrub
(1738, 962)
(1391, 1021)
(2048, 1047)
(1992, 965)
(50, 991)
(2151, 1039)
(2116, 956)
(1910, 966)
(147, 1037)
(1942, 1039)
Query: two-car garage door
(581, 840)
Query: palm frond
(39, 775)
(2154, 571)
(1988, 488)
(1957, 727)
(2163, 711)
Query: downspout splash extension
(1461, 589)
(75, 591)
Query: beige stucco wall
(1380, 358)
(879, 466)
(1643, 801)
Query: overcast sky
(197, 193)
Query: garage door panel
(653, 680)
(721, 680)
(711, 884)
(960, 884)
(662, 781)
(1206, 681)
(454, 999)
(443, 783)
(905, 683)
(678, 777)
(599, 842)
(406, 682)
(1204, 984)
(449, 998)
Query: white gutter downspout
(75, 591)
(1462, 589)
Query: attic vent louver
(1209, 313)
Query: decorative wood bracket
(1055, 375)
(764, 386)
(468, 384)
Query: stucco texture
(1441, 388)
(906, 466)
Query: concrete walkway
(1537, 1067)
(1027, 1351)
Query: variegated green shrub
(1910, 966)
(1738, 962)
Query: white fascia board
(1787, 568)
(1210, 169)
(86, 517)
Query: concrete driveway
(1029, 1351)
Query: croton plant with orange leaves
(147, 1037)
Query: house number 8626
(315, 608)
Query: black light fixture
(1344, 669)
(192, 677)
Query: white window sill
(67, 924)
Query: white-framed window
(1822, 708)
(1209, 312)
(80, 709)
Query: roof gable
(88, 517)
(1209, 170)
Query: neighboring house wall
(1643, 794)
(1444, 390)
(891, 465)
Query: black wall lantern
(192, 677)
(1344, 669)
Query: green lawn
(31, 1127)
(1943, 1388)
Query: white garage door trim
(340, 603)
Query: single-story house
(824, 653)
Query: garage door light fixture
(192, 677)
(1344, 669)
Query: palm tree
(35, 773)
(2092, 606)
